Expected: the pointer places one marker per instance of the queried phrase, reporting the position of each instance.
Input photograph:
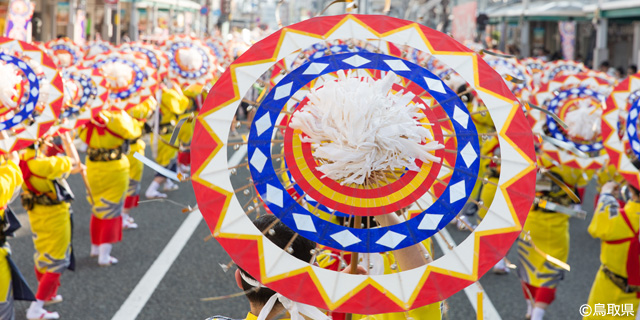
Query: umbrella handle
(354, 259)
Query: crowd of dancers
(110, 97)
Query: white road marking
(152, 278)
(490, 312)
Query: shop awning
(540, 10)
(166, 4)
(616, 9)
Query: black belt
(102, 154)
(30, 199)
(166, 128)
(620, 281)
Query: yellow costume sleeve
(144, 110)
(117, 122)
(609, 225)
(10, 178)
(49, 168)
(483, 121)
(193, 90)
(173, 104)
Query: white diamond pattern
(345, 238)
(274, 195)
(258, 159)
(435, 85)
(430, 221)
(283, 91)
(461, 117)
(457, 192)
(263, 123)
(304, 222)
(468, 155)
(391, 239)
(316, 68)
(356, 61)
(397, 65)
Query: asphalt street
(93, 292)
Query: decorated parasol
(85, 95)
(578, 100)
(515, 75)
(156, 57)
(65, 52)
(131, 78)
(360, 194)
(562, 68)
(95, 48)
(620, 129)
(535, 69)
(191, 61)
(31, 97)
(219, 49)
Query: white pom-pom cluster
(65, 59)
(8, 81)
(584, 121)
(118, 74)
(190, 58)
(359, 128)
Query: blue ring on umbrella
(556, 102)
(632, 127)
(216, 50)
(335, 49)
(188, 74)
(137, 81)
(415, 230)
(564, 67)
(150, 54)
(513, 70)
(89, 90)
(533, 65)
(32, 95)
(66, 48)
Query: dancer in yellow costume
(47, 203)
(484, 124)
(108, 177)
(173, 104)
(141, 113)
(10, 179)
(196, 95)
(549, 232)
(618, 279)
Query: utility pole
(133, 22)
(73, 6)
